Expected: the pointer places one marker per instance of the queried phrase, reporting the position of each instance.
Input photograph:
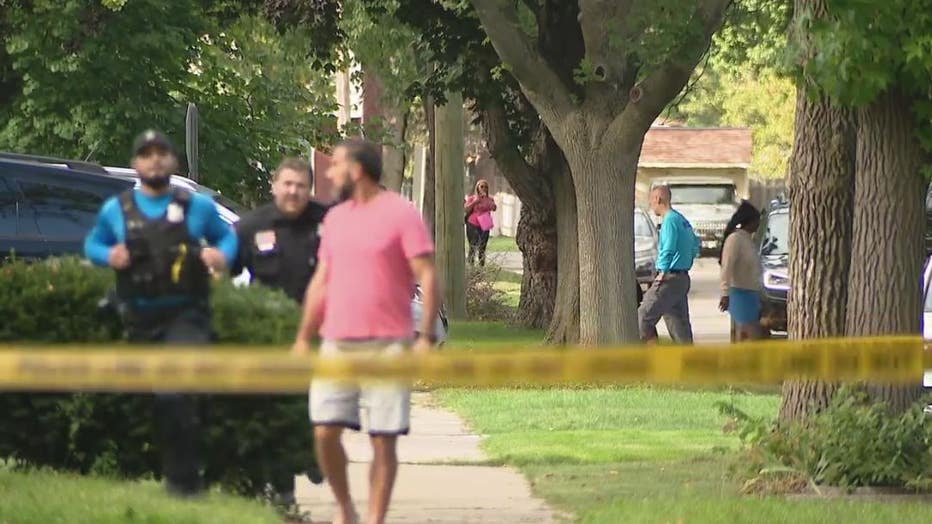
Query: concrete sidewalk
(441, 479)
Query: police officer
(278, 242)
(152, 236)
(278, 245)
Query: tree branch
(504, 150)
(538, 80)
(662, 86)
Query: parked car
(774, 244)
(645, 247)
(927, 315)
(774, 249)
(707, 202)
(929, 220)
(48, 205)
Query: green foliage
(744, 83)
(248, 441)
(852, 443)
(259, 100)
(80, 78)
(485, 301)
(865, 48)
(762, 100)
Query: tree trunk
(604, 181)
(533, 183)
(889, 220)
(393, 152)
(821, 205)
(384, 122)
(430, 166)
(564, 326)
(537, 239)
(451, 235)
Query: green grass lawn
(469, 336)
(509, 283)
(57, 498)
(600, 425)
(635, 454)
(501, 244)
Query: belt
(677, 271)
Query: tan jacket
(740, 262)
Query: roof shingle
(700, 146)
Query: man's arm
(219, 234)
(668, 239)
(102, 237)
(425, 271)
(312, 315)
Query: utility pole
(448, 218)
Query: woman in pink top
(479, 207)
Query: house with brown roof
(689, 154)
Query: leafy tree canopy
(80, 78)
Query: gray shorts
(387, 405)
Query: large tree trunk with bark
(889, 220)
(564, 326)
(537, 240)
(604, 178)
(394, 157)
(385, 122)
(821, 205)
(533, 182)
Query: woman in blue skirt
(741, 272)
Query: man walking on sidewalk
(374, 247)
(667, 297)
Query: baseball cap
(152, 138)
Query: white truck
(706, 201)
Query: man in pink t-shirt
(374, 249)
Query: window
(642, 225)
(777, 236)
(8, 214)
(61, 211)
(702, 194)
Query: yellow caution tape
(273, 370)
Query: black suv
(773, 239)
(48, 205)
(774, 242)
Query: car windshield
(703, 194)
(777, 235)
(642, 225)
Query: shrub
(249, 441)
(853, 443)
(483, 301)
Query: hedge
(249, 441)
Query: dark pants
(478, 240)
(668, 300)
(177, 415)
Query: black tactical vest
(165, 261)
